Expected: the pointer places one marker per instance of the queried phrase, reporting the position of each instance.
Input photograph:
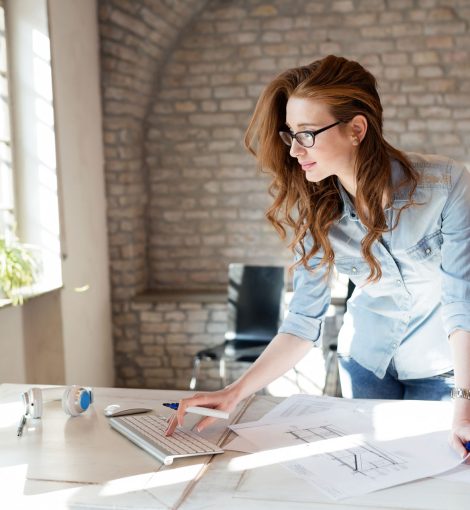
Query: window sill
(31, 293)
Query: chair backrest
(255, 298)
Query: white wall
(73, 325)
(12, 358)
(86, 315)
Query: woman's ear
(358, 129)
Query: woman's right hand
(284, 351)
(226, 400)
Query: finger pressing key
(172, 423)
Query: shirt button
(398, 282)
(354, 269)
(428, 251)
(395, 345)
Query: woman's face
(333, 152)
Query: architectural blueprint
(343, 454)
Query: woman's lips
(307, 166)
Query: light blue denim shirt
(424, 293)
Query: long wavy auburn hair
(311, 208)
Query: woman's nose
(296, 149)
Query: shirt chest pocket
(355, 267)
(428, 249)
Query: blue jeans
(358, 382)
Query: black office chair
(255, 297)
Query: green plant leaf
(18, 268)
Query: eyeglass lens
(304, 138)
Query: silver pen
(21, 425)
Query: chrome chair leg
(195, 374)
(222, 372)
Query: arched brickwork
(180, 79)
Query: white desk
(82, 463)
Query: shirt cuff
(456, 316)
(308, 328)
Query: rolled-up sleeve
(309, 303)
(455, 251)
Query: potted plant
(18, 269)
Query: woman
(397, 224)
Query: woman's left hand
(460, 435)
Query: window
(6, 170)
(29, 202)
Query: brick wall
(206, 198)
(170, 333)
(180, 79)
(136, 38)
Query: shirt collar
(397, 176)
(348, 207)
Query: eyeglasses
(304, 138)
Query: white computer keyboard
(148, 432)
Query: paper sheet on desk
(295, 405)
(300, 405)
(344, 458)
(373, 446)
(460, 474)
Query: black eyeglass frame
(313, 134)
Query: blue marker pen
(203, 411)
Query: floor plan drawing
(364, 459)
(343, 454)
